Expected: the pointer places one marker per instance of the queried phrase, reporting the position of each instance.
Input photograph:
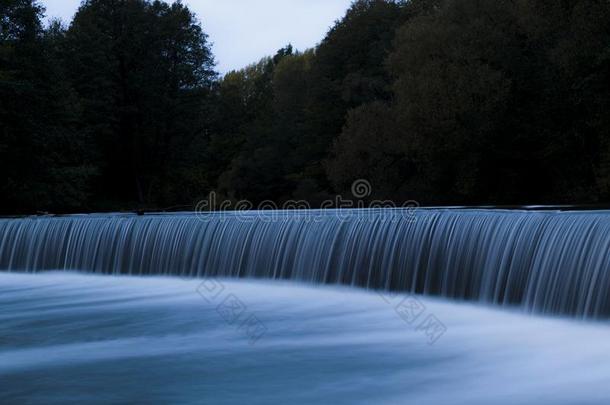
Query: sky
(243, 31)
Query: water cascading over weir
(542, 261)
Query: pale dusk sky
(243, 31)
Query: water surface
(105, 339)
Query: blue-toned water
(67, 338)
(378, 306)
(541, 261)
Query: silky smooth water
(69, 338)
(541, 261)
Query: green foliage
(307, 98)
(43, 158)
(144, 71)
(495, 102)
(256, 171)
(442, 101)
(347, 71)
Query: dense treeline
(441, 101)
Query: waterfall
(542, 261)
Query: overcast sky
(243, 31)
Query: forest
(445, 102)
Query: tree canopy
(441, 101)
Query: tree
(257, 171)
(372, 147)
(308, 97)
(490, 100)
(41, 150)
(144, 71)
(443, 101)
(347, 71)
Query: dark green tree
(42, 152)
(308, 97)
(347, 71)
(491, 100)
(256, 171)
(144, 71)
(443, 101)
